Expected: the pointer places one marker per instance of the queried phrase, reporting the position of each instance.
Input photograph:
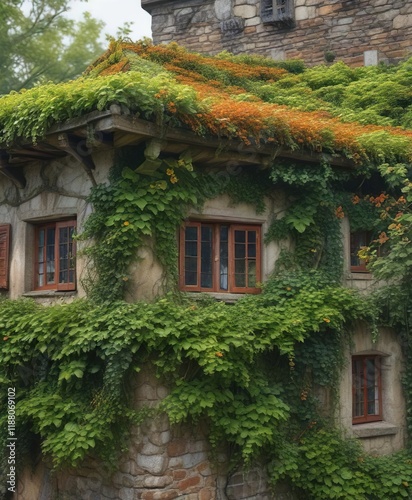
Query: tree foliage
(39, 43)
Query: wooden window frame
(216, 226)
(5, 232)
(270, 15)
(56, 285)
(362, 267)
(365, 418)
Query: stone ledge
(49, 293)
(229, 298)
(374, 429)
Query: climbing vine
(249, 369)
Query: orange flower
(340, 214)
(219, 354)
(383, 238)
(6, 338)
(126, 223)
(355, 199)
(326, 320)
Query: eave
(81, 137)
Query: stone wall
(342, 29)
(162, 463)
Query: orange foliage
(251, 119)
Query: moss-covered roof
(364, 114)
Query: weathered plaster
(389, 436)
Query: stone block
(245, 11)
(326, 10)
(189, 482)
(205, 494)
(126, 494)
(177, 447)
(154, 464)
(151, 449)
(302, 13)
(278, 54)
(223, 9)
(157, 481)
(345, 20)
(254, 21)
(402, 21)
(371, 57)
(160, 438)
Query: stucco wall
(54, 190)
(344, 28)
(377, 437)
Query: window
(358, 240)
(4, 255)
(55, 256)
(277, 12)
(219, 257)
(366, 389)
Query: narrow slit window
(366, 389)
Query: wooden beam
(15, 174)
(133, 125)
(77, 148)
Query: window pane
(206, 258)
(63, 255)
(240, 273)
(358, 240)
(372, 387)
(251, 273)
(224, 257)
(240, 236)
(357, 381)
(40, 258)
(190, 271)
(50, 254)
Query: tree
(38, 43)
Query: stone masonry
(163, 462)
(335, 30)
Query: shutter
(266, 11)
(280, 12)
(4, 256)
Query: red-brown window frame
(361, 419)
(56, 285)
(216, 257)
(5, 232)
(362, 267)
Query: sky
(115, 13)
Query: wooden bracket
(15, 174)
(78, 148)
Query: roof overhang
(81, 137)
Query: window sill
(374, 429)
(50, 293)
(229, 298)
(359, 276)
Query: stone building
(44, 196)
(354, 31)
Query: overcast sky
(115, 13)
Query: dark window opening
(366, 389)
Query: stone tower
(355, 31)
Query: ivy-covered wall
(249, 373)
